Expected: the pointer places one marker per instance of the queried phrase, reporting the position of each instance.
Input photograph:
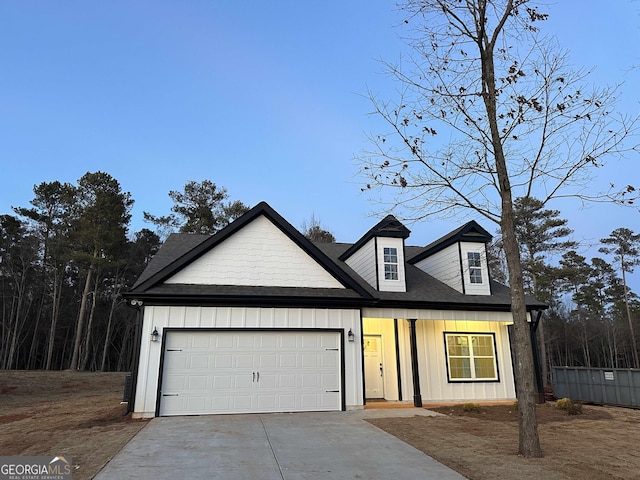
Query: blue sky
(263, 98)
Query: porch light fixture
(351, 335)
(154, 334)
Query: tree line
(593, 313)
(66, 259)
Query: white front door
(253, 371)
(373, 368)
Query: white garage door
(250, 371)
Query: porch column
(417, 397)
(533, 329)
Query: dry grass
(76, 414)
(601, 443)
(79, 415)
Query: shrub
(569, 406)
(471, 407)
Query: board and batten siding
(259, 254)
(161, 317)
(434, 383)
(444, 266)
(363, 262)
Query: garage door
(250, 372)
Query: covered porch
(420, 356)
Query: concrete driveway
(325, 445)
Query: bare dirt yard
(79, 414)
(65, 413)
(601, 443)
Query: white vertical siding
(430, 328)
(391, 285)
(363, 262)
(243, 317)
(475, 288)
(384, 328)
(434, 384)
(445, 266)
(259, 254)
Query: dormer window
(475, 267)
(390, 263)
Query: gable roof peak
(183, 258)
(469, 232)
(389, 227)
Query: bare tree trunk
(87, 338)
(55, 311)
(634, 348)
(15, 330)
(107, 337)
(33, 349)
(543, 353)
(529, 442)
(75, 357)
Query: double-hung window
(390, 263)
(471, 357)
(475, 267)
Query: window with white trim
(475, 267)
(390, 263)
(471, 356)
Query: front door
(373, 380)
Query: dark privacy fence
(613, 386)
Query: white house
(257, 318)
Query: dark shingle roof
(469, 232)
(423, 290)
(389, 226)
(177, 245)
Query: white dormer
(379, 258)
(475, 270)
(459, 260)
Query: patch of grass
(471, 407)
(569, 406)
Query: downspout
(533, 328)
(417, 397)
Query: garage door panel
(268, 342)
(196, 404)
(223, 361)
(309, 360)
(242, 403)
(199, 361)
(246, 342)
(197, 382)
(175, 382)
(200, 341)
(222, 382)
(287, 402)
(288, 380)
(268, 360)
(244, 361)
(327, 361)
(217, 372)
(287, 360)
(222, 342)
